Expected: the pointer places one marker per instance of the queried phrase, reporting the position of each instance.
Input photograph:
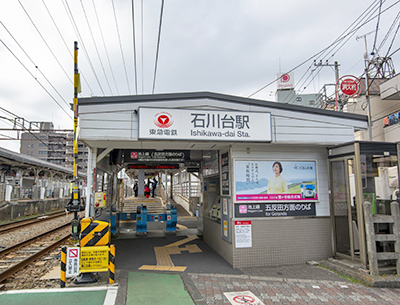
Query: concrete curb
(362, 276)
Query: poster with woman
(275, 180)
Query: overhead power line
(158, 46)
(95, 46)
(120, 46)
(134, 44)
(45, 42)
(76, 29)
(65, 44)
(35, 78)
(105, 46)
(344, 35)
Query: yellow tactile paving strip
(164, 261)
(163, 268)
(183, 241)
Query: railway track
(9, 227)
(16, 257)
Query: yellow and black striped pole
(63, 266)
(75, 203)
(111, 264)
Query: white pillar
(141, 182)
(92, 161)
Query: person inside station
(153, 186)
(146, 191)
(135, 188)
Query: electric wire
(134, 46)
(158, 46)
(65, 43)
(95, 46)
(120, 46)
(142, 38)
(345, 34)
(35, 78)
(33, 63)
(105, 46)
(388, 32)
(15, 122)
(341, 42)
(44, 40)
(377, 27)
(85, 52)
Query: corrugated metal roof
(25, 160)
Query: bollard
(63, 266)
(111, 265)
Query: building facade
(53, 146)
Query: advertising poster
(282, 181)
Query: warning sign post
(72, 264)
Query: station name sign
(204, 125)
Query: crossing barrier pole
(63, 266)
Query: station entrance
(362, 172)
(161, 183)
(235, 150)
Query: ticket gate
(142, 218)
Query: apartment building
(53, 146)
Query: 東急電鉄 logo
(163, 119)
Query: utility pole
(75, 205)
(327, 64)
(366, 62)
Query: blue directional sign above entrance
(204, 125)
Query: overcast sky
(232, 47)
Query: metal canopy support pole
(141, 182)
(360, 206)
(91, 170)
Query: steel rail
(30, 240)
(18, 266)
(8, 227)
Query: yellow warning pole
(75, 204)
(111, 264)
(63, 266)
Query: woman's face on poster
(276, 169)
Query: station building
(267, 216)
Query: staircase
(373, 237)
(154, 205)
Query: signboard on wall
(243, 236)
(282, 181)
(246, 210)
(225, 173)
(225, 219)
(167, 156)
(285, 80)
(204, 125)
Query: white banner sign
(285, 80)
(204, 125)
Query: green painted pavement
(52, 298)
(156, 288)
